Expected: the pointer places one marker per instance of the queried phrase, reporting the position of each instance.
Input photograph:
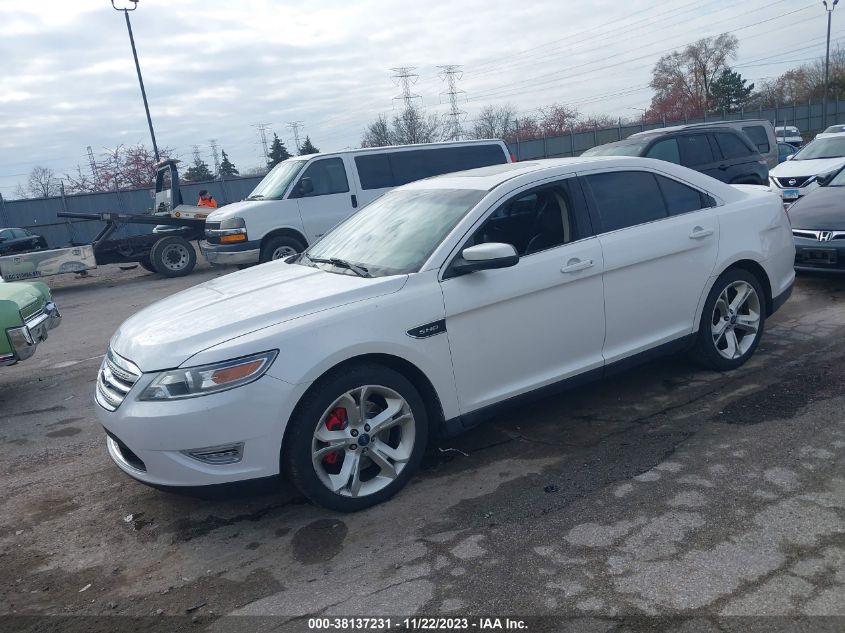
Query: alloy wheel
(363, 441)
(283, 251)
(736, 320)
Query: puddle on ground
(319, 541)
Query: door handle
(723, 167)
(354, 201)
(700, 233)
(575, 264)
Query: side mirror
(789, 156)
(486, 257)
(306, 187)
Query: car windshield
(397, 232)
(274, 184)
(617, 149)
(822, 148)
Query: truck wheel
(146, 264)
(280, 247)
(173, 256)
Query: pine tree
(729, 91)
(198, 171)
(278, 152)
(227, 168)
(308, 147)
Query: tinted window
(374, 171)
(679, 197)
(758, 136)
(18, 233)
(695, 150)
(667, 150)
(327, 176)
(6, 234)
(414, 165)
(534, 221)
(731, 145)
(626, 198)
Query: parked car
(799, 175)
(759, 131)
(720, 152)
(785, 151)
(818, 226)
(334, 366)
(20, 241)
(789, 134)
(27, 313)
(831, 130)
(303, 197)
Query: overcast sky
(215, 68)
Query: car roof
(708, 125)
(390, 148)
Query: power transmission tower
(215, 154)
(450, 73)
(262, 134)
(405, 77)
(197, 157)
(93, 164)
(294, 126)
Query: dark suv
(20, 241)
(723, 153)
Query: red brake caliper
(336, 421)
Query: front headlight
(191, 382)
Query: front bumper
(24, 339)
(231, 254)
(814, 255)
(790, 195)
(219, 438)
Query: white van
(303, 197)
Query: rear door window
(695, 150)
(732, 146)
(681, 198)
(758, 136)
(626, 198)
(667, 150)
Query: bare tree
(377, 133)
(557, 119)
(413, 125)
(494, 121)
(42, 183)
(123, 167)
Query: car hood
(822, 209)
(232, 210)
(167, 333)
(803, 168)
(27, 298)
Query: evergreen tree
(308, 147)
(278, 152)
(227, 168)
(199, 170)
(729, 91)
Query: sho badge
(429, 329)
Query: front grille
(116, 378)
(819, 236)
(787, 182)
(32, 311)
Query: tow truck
(167, 250)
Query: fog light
(217, 455)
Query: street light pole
(829, 10)
(138, 69)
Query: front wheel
(280, 247)
(356, 439)
(732, 321)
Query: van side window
(374, 171)
(327, 176)
(758, 136)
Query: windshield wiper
(341, 263)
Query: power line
(450, 74)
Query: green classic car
(27, 313)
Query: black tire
(280, 242)
(706, 349)
(173, 256)
(296, 456)
(146, 264)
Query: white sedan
(430, 308)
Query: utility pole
(450, 74)
(215, 154)
(138, 69)
(405, 77)
(294, 126)
(262, 134)
(829, 10)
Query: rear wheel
(356, 439)
(173, 256)
(279, 247)
(732, 321)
